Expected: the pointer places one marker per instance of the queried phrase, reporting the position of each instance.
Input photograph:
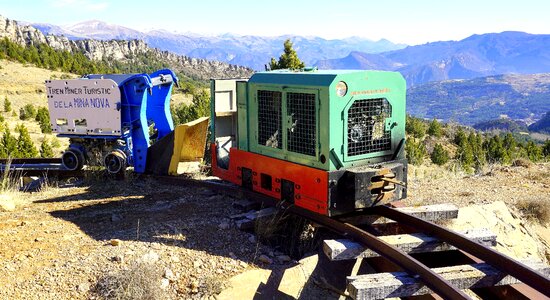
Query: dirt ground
(60, 242)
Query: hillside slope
(519, 97)
(24, 84)
(542, 125)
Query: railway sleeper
(401, 284)
(343, 249)
(432, 213)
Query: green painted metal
(242, 115)
(331, 135)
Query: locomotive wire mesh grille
(269, 119)
(301, 134)
(366, 126)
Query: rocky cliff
(121, 51)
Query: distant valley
(523, 97)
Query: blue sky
(411, 22)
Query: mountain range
(450, 80)
(129, 51)
(250, 51)
(475, 56)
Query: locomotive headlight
(341, 89)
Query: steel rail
(33, 161)
(412, 266)
(498, 260)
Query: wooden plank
(432, 213)
(400, 284)
(411, 243)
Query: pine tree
(439, 156)
(415, 151)
(435, 129)
(8, 145)
(465, 155)
(288, 60)
(25, 146)
(46, 150)
(415, 127)
(27, 112)
(534, 152)
(43, 118)
(495, 151)
(460, 136)
(7, 104)
(478, 153)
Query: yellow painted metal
(189, 143)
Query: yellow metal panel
(189, 143)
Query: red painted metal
(310, 184)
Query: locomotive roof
(313, 78)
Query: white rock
(164, 283)
(150, 257)
(168, 274)
(83, 287)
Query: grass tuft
(142, 281)
(535, 209)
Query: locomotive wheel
(115, 162)
(72, 160)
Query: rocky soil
(78, 242)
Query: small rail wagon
(328, 141)
(111, 119)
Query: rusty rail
(412, 266)
(498, 260)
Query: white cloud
(87, 5)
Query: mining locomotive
(328, 141)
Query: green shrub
(200, 107)
(43, 119)
(415, 127)
(46, 150)
(25, 146)
(435, 129)
(415, 151)
(534, 152)
(439, 156)
(8, 145)
(27, 112)
(7, 104)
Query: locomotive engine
(111, 120)
(328, 141)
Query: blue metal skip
(145, 100)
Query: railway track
(494, 264)
(496, 268)
(44, 167)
